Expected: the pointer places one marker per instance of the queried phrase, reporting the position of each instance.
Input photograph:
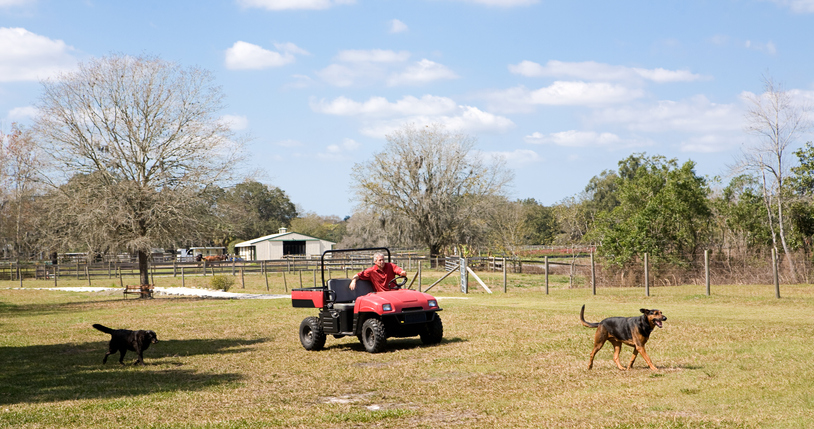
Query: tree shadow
(70, 371)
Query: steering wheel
(398, 282)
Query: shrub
(222, 282)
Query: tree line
(127, 154)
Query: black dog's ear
(644, 310)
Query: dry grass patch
(737, 359)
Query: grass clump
(222, 282)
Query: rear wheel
(433, 332)
(373, 335)
(311, 335)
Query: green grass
(737, 359)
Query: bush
(222, 282)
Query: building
(280, 245)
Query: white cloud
(766, 48)
(19, 114)
(574, 138)
(235, 122)
(709, 143)
(25, 56)
(593, 71)
(292, 4)
(427, 105)
(366, 67)
(289, 143)
(503, 3)
(695, 115)
(797, 6)
(14, 3)
(397, 26)
(248, 56)
(372, 56)
(561, 93)
(516, 157)
(340, 151)
(380, 117)
(422, 72)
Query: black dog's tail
(107, 330)
(581, 319)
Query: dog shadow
(59, 372)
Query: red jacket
(380, 279)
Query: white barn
(277, 246)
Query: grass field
(738, 359)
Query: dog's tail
(582, 319)
(102, 328)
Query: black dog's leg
(123, 351)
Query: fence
(581, 270)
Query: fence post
(593, 274)
(183, 278)
(774, 272)
(242, 281)
(505, 283)
(646, 276)
(706, 269)
(546, 275)
(419, 275)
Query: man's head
(378, 260)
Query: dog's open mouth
(657, 322)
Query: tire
(373, 336)
(311, 335)
(433, 332)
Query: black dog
(122, 340)
(633, 331)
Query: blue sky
(561, 90)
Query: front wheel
(373, 335)
(312, 336)
(433, 332)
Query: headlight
(387, 307)
(432, 303)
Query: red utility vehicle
(370, 316)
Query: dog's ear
(644, 310)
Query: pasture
(737, 359)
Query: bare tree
(19, 163)
(430, 182)
(139, 139)
(777, 119)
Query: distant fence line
(582, 270)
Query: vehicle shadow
(395, 344)
(70, 371)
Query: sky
(560, 90)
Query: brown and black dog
(633, 331)
(122, 340)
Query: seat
(345, 297)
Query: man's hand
(352, 283)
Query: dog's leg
(599, 340)
(121, 356)
(641, 350)
(633, 358)
(617, 348)
(109, 352)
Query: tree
(252, 209)
(540, 221)
(429, 182)
(330, 228)
(140, 136)
(663, 211)
(777, 120)
(19, 163)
